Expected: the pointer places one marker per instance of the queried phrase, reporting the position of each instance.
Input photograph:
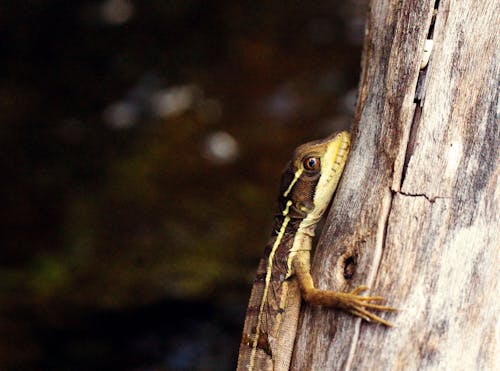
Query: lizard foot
(359, 305)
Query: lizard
(283, 276)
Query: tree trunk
(416, 216)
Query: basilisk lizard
(283, 276)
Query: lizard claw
(358, 305)
(359, 289)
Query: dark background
(141, 148)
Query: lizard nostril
(349, 267)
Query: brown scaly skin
(283, 276)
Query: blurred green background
(142, 144)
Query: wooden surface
(417, 213)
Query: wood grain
(418, 207)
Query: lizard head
(311, 177)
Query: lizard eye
(311, 163)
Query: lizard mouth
(343, 142)
(334, 160)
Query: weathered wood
(418, 207)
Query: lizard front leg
(351, 302)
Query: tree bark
(416, 216)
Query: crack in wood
(430, 33)
(419, 101)
(431, 199)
